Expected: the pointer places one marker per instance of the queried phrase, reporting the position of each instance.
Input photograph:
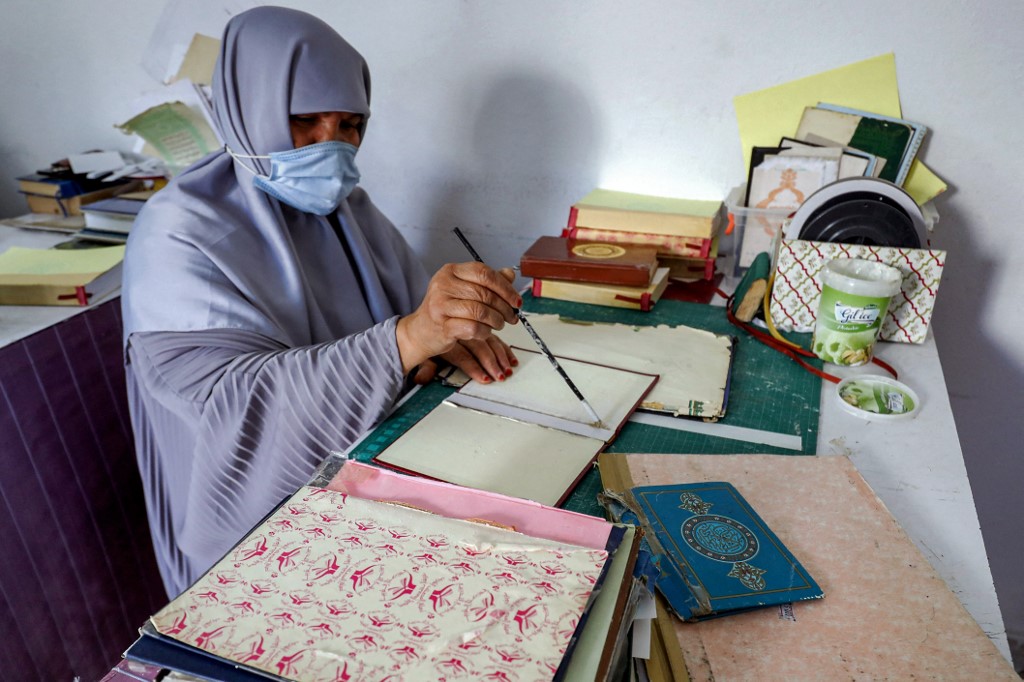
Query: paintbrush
(539, 341)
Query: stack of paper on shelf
(887, 613)
(527, 436)
(59, 276)
(677, 228)
(381, 575)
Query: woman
(272, 314)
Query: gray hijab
(211, 251)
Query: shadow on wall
(533, 153)
(984, 385)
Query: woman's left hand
(481, 360)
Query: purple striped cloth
(77, 572)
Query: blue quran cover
(716, 555)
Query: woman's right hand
(464, 305)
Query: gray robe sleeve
(229, 422)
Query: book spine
(573, 216)
(678, 247)
(642, 303)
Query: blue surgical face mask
(313, 179)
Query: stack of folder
(377, 574)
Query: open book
(527, 436)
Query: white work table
(917, 468)
(914, 465)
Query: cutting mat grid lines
(769, 392)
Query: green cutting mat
(768, 391)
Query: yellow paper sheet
(767, 115)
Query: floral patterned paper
(797, 288)
(334, 587)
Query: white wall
(496, 115)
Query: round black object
(861, 218)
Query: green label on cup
(847, 326)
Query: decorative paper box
(797, 288)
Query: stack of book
(65, 194)
(684, 232)
(621, 275)
(110, 220)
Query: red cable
(792, 353)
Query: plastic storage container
(752, 230)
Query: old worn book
(580, 260)
(717, 556)
(59, 276)
(636, 298)
(604, 209)
(694, 383)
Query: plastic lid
(862, 277)
(877, 398)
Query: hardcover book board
(717, 555)
(585, 261)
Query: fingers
(425, 372)
(484, 361)
(509, 274)
(465, 302)
(489, 287)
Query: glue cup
(855, 296)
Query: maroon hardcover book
(579, 260)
